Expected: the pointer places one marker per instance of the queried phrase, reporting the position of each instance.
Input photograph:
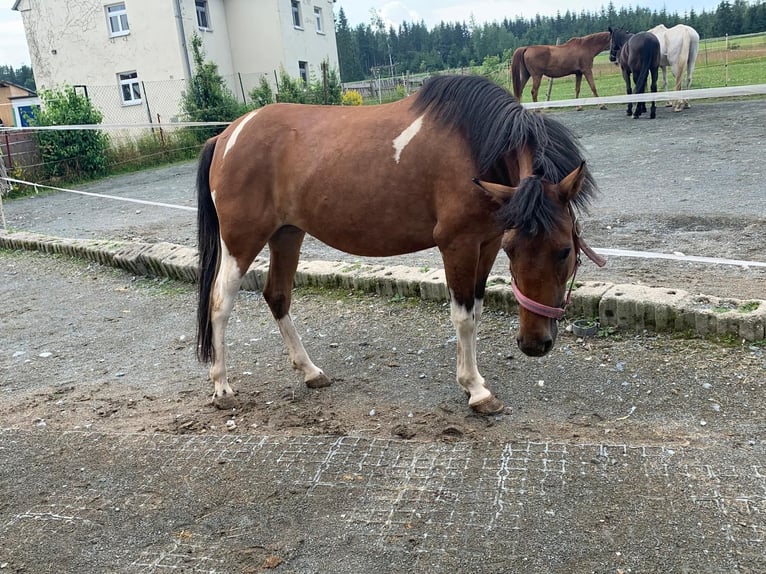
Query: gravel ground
(630, 452)
(627, 452)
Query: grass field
(742, 64)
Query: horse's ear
(571, 185)
(496, 191)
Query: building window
(303, 68)
(130, 88)
(203, 20)
(318, 20)
(117, 17)
(296, 13)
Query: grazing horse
(678, 49)
(461, 166)
(639, 55)
(574, 57)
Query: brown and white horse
(460, 166)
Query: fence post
(146, 100)
(242, 87)
(8, 151)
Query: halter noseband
(580, 247)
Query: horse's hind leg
(225, 289)
(284, 247)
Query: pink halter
(558, 312)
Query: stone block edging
(628, 306)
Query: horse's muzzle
(540, 345)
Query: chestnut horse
(386, 180)
(637, 55)
(573, 57)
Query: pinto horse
(678, 49)
(639, 55)
(573, 57)
(392, 179)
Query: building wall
(70, 44)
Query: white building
(133, 57)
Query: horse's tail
(642, 77)
(683, 60)
(694, 44)
(209, 245)
(519, 72)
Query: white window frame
(117, 17)
(203, 10)
(130, 80)
(303, 71)
(318, 19)
(296, 11)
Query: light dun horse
(637, 55)
(678, 49)
(392, 179)
(573, 57)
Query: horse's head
(542, 244)
(617, 38)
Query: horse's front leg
(466, 302)
(628, 89)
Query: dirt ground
(639, 452)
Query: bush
(70, 153)
(352, 98)
(262, 95)
(208, 99)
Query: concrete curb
(625, 306)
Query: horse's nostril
(547, 345)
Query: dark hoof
(318, 382)
(225, 403)
(489, 406)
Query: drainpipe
(182, 38)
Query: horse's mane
(495, 123)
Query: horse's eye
(564, 253)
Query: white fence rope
(599, 250)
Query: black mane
(495, 123)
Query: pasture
(742, 64)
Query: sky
(13, 45)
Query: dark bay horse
(392, 179)
(573, 57)
(637, 55)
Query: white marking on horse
(225, 289)
(237, 131)
(468, 375)
(401, 141)
(297, 351)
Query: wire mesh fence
(148, 130)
